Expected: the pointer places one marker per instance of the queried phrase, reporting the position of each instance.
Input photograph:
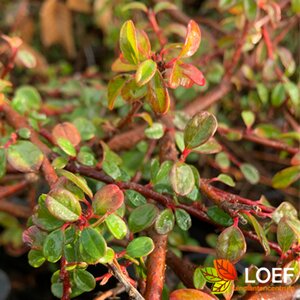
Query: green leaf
(139, 247)
(2, 163)
(92, 245)
(263, 93)
(78, 181)
(182, 178)
(222, 160)
(278, 95)
(142, 217)
(66, 146)
(285, 235)
(293, 91)
(250, 8)
(59, 162)
(36, 258)
(285, 209)
(145, 72)
(248, 118)
(26, 99)
(163, 5)
(226, 179)
(128, 42)
(85, 127)
(192, 40)
(294, 265)
(198, 279)
(135, 5)
(226, 4)
(250, 173)
(231, 244)
(63, 205)
(210, 147)
(86, 157)
(25, 156)
(183, 219)
(134, 199)
(260, 233)
(157, 94)
(295, 6)
(165, 221)
(210, 274)
(155, 132)
(116, 226)
(84, 280)
(24, 133)
(107, 200)
(53, 246)
(219, 216)
(286, 177)
(199, 129)
(108, 257)
(114, 88)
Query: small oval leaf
(139, 247)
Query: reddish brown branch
(9, 190)
(15, 209)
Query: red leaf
(225, 269)
(193, 73)
(189, 294)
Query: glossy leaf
(66, 146)
(25, 156)
(2, 163)
(53, 246)
(278, 95)
(63, 205)
(210, 147)
(182, 178)
(155, 132)
(192, 40)
(128, 42)
(295, 266)
(210, 274)
(134, 199)
(145, 72)
(85, 127)
(114, 88)
(67, 131)
(193, 73)
(108, 257)
(226, 179)
(116, 226)
(92, 245)
(219, 216)
(250, 173)
(142, 217)
(84, 280)
(231, 244)
(198, 279)
(286, 177)
(220, 287)
(189, 294)
(285, 235)
(285, 209)
(248, 118)
(107, 200)
(139, 247)
(36, 258)
(158, 95)
(225, 269)
(199, 129)
(183, 219)
(165, 221)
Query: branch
(16, 210)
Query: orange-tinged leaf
(143, 43)
(220, 287)
(145, 72)
(211, 274)
(225, 269)
(177, 77)
(193, 73)
(114, 88)
(192, 40)
(158, 96)
(67, 131)
(189, 294)
(119, 66)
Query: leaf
(108, 257)
(142, 217)
(25, 156)
(119, 66)
(226, 4)
(92, 245)
(67, 131)
(116, 226)
(165, 221)
(226, 179)
(219, 216)
(107, 200)
(294, 265)
(53, 246)
(293, 91)
(286, 177)
(144, 45)
(145, 72)
(193, 73)
(157, 94)
(192, 40)
(63, 205)
(189, 294)
(139, 247)
(32, 236)
(210, 274)
(260, 233)
(225, 269)
(135, 5)
(155, 132)
(210, 147)
(231, 244)
(278, 95)
(285, 235)
(198, 279)
(128, 42)
(84, 280)
(134, 199)
(182, 178)
(250, 173)
(114, 88)
(248, 118)
(2, 163)
(296, 6)
(263, 93)
(131, 91)
(285, 209)
(177, 76)
(59, 162)
(183, 219)
(199, 129)
(66, 146)
(250, 8)
(220, 287)
(222, 160)
(163, 5)
(36, 258)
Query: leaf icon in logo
(225, 269)
(210, 274)
(220, 287)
